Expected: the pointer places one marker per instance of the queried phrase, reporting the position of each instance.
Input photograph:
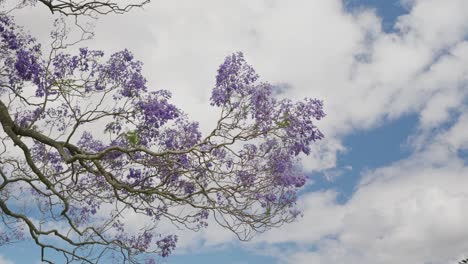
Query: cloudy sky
(389, 182)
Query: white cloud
(322, 217)
(4, 260)
(408, 215)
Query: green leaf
(132, 137)
(283, 123)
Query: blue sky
(388, 11)
(388, 181)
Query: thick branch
(68, 7)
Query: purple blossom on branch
(167, 245)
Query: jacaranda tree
(85, 143)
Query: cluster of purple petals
(26, 117)
(202, 218)
(300, 126)
(293, 123)
(21, 55)
(157, 213)
(156, 109)
(88, 143)
(114, 127)
(48, 157)
(237, 80)
(92, 205)
(86, 61)
(183, 135)
(115, 155)
(271, 197)
(234, 75)
(188, 187)
(284, 170)
(7, 33)
(262, 103)
(246, 178)
(79, 217)
(123, 70)
(138, 176)
(167, 245)
(134, 174)
(289, 197)
(141, 242)
(28, 68)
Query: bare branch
(86, 7)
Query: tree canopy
(85, 142)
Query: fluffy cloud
(4, 260)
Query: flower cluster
(123, 70)
(21, 55)
(48, 157)
(299, 125)
(25, 118)
(184, 135)
(236, 87)
(284, 128)
(88, 143)
(156, 110)
(140, 242)
(85, 62)
(167, 245)
(234, 75)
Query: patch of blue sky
(366, 150)
(387, 10)
(21, 252)
(463, 154)
(228, 255)
(28, 253)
